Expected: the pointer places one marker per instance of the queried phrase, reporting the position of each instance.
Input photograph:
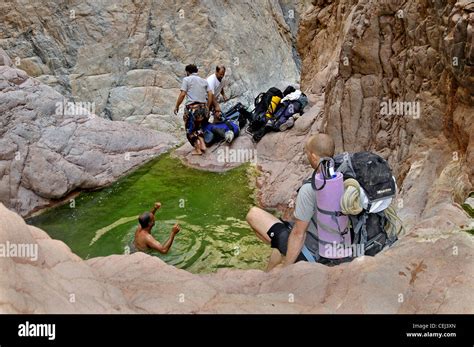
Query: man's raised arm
(155, 208)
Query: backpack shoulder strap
(343, 164)
(307, 254)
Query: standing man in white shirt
(216, 84)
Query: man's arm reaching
(211, 101)
(223, 95)
(163, 249)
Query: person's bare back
(141, 240)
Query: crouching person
(196, 113)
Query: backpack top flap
(236, 108)
(275, 92)
(371, 171)
(374, 175)
(238, 113)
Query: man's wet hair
(191, 68)
(145, 219)
(220, 67)
(321, 145)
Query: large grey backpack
(375, 176)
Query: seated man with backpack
(331, 227)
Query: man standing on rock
(196, 112)
(286, 238)
(144, 241)
(216, 83)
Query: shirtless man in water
(144, 241)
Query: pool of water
(210, 208)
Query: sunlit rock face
(418, 275)
(128, 57)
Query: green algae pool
(210, 208)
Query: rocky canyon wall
(128, 57)
(367, 57)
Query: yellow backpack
(273, 106)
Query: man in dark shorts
(199, 98)
(291, 240)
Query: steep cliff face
(128, 57)
(370, 57)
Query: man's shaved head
(321, 145)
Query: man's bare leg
(202, 144)
(275, 259)
(261, 221)
(197, 149)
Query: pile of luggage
(274, 111)
(228, 128)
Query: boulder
(47, 152)
(423, 273)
